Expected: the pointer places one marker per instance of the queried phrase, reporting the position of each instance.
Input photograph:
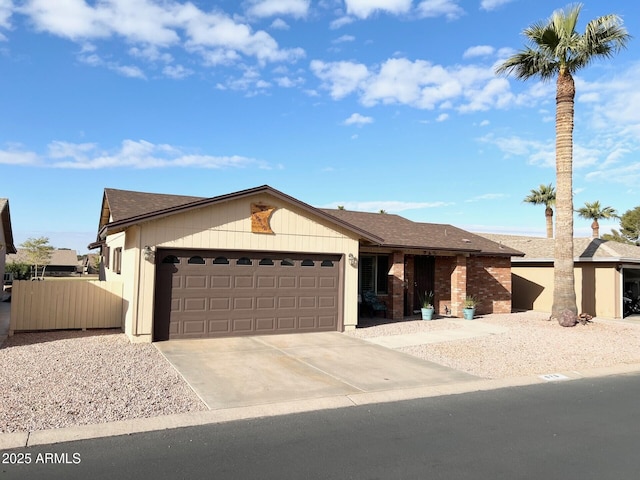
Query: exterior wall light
(353, 261)
(149, 253)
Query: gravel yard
(532, 345)
(66, 378)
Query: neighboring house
(259, 261)
(603, 270)
(90, 264)
(6, 236)
(64, 262)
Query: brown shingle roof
(61, 258)
(124, 204)
(401, 232)
(584, 249)
(128, 207)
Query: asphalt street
(580, 429)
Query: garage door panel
(327, 302)
(219, 326)
(265, 324)
(266, 303)
(308, 282)
(307, 323)
(327, 321)
(327, 282)
(221, 281)
(193, 327)
(286, 323)
(286, 302)
(243, 303)
(266, 282)
(244, 281)
(195, 281)
(307, 302)
(220, 304)
(286, 282)
(242, 325)
(231, 293)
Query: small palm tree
(545, 195)
(593, 211)
(557, 50)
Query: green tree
(20, 270)
(557, 50)
(38, 252)
(594, 211)
(629, 228)
(544, 195)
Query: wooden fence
(65, 304)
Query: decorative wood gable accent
(260, 216)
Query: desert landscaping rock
(68, 378)
(532, 345)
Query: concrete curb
(141, 425)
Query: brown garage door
(228, 293)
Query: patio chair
(372, 304)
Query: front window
(373, 273)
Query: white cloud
(176, 71)
(493, 4)
(365, 8)
(341, 78)
(148, 27)
(6, 10)
(344, 38)
(487, 196)
(272, 8)
(357, 119)
(442, 117)
(131, 154)
(18, 157)
(440, 8)
(478, 51)
(139, 154)
(279, 24)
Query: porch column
(396, 286)
(458, 285)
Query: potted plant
(469, 307)
(427, 306)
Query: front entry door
(424, 273)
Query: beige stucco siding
(227, 226)
(597, 288)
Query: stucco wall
(226, 226)
(597, 288)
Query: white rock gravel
(532, 345)
(67, 378)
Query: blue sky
(370, 104)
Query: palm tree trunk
(564, 292)
(549, 216)
(595, 228)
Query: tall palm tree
(545, 195)
(557, 50)
(593, 211)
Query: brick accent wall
(486, 278)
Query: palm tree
(593, 211)
(557, 50)
(545, 195)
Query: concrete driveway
(257, 370)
